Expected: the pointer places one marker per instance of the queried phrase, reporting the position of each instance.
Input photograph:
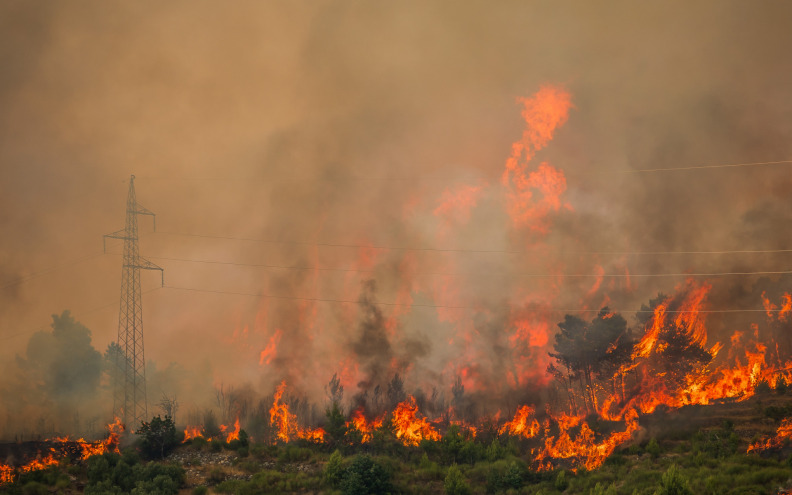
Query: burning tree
(589, 352)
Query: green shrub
(455, 483)
(504, 475)
(653, 448)
(250, 467)
(231, 486)
(112, 473)
(600, 489)
(561, 483)
(494, 451)
(673, 483)
(216, 475)
(200, 490)
(35, 488)
(292, 453)
(158, 437)
(365, 476)
(333, 472)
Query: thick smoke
(316, 147)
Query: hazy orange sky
(283, 135)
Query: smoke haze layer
(422, 189)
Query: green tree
(455, 483)
(158, 437)
(63, 361)
(366, 476)
(451, 444)
(335, 426)
(334, 469)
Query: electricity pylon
(129, 396)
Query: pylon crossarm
(118, 234)
(145, 211)
(145, 264)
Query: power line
(440, 306)
(46, 271)
(486, 275)
(82, 312)
(704, 167)
(465, 250)
(358, 178)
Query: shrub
(111, 473)
(200, 490)
(781, 386)
(455, 483)
(600, 489)
(673, 483)
(216, 475)
(494, 451)
(158, 437)
(504, 476)
(35, 488)
(365, 476)
(653, 448)
(291, 453)
(335, 426)
(762, 387)
(561, 482)
(334, 470)
(451, 444)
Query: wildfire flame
(285, 422)
(192, 432)
(366, 429)
(410, 429)
(60, 446)
(782, 436)
(524, 424)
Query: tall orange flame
(410, 429)
(524, 424)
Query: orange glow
(534, 195)
(782, 436)
(285, 422)
(269, 352)
(6, 473)
(232, 434)
(524, 424)
(88, 449)
(40, 463)
(535, 334)
(544, 112)
(192, 432)
(585, 448)
(410, 429)
(454, 206)
(61, 445)
(366, 429)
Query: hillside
(706, 445)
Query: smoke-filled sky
(286, 136)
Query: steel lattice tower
(129, 399)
